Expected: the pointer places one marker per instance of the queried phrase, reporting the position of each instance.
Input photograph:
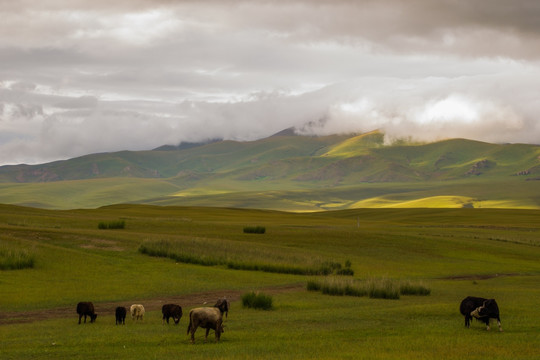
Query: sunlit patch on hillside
(427, 202)
(200, 192)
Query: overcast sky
(86, 76)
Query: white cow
(137, 311)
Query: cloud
(89, 76)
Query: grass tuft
(237, 256)
(254, 230)
(375, 288)
(119, 224)
(257, 301)
(13, 258)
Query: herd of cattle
(204, 317)
(212, 317)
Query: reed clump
(257, 300)
(376, 288)
(240, 256)
(107, 225)
(14, 258)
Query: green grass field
(453, 252)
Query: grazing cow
(121, 315)
(207, 318)
(136, 311)
(481, 309)
(171, 311)
(86, 309)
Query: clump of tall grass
(382, 288)
(238, 256)
(254, 230)
(408, 288)
(118, 224)
(376, 288)
(257, 301)
(13, 258)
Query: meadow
(454, 253)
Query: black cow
(480, 308)
(121, 315)
(171, 311)
(86, 309)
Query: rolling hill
(289, 172)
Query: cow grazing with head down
(136, 311)
(171, 311)
(120, 315)
(208, 318)
(223, 305)
(481, 309)
(86, 309)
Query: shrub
(254, 230)
(257, 301)
(119, 224)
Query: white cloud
(77, 74)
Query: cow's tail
(189, 326)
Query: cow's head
(484, 310)
(93, 317)
(223, 306)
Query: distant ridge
(288, 171)
(185, 145)
(286, 132)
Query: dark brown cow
(86, 309)
(171, 311)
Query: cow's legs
(499, 323)
(206, 336)
(80, 316)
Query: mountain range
(288, 172)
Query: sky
(89, 76)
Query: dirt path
(107, 308)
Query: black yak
(171, 311)
(121, 315)
(86, 309)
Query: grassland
(453, 252)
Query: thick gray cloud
(82, 76)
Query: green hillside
(298, 173)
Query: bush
(254, 230)
(257, 301)
(119, 224)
